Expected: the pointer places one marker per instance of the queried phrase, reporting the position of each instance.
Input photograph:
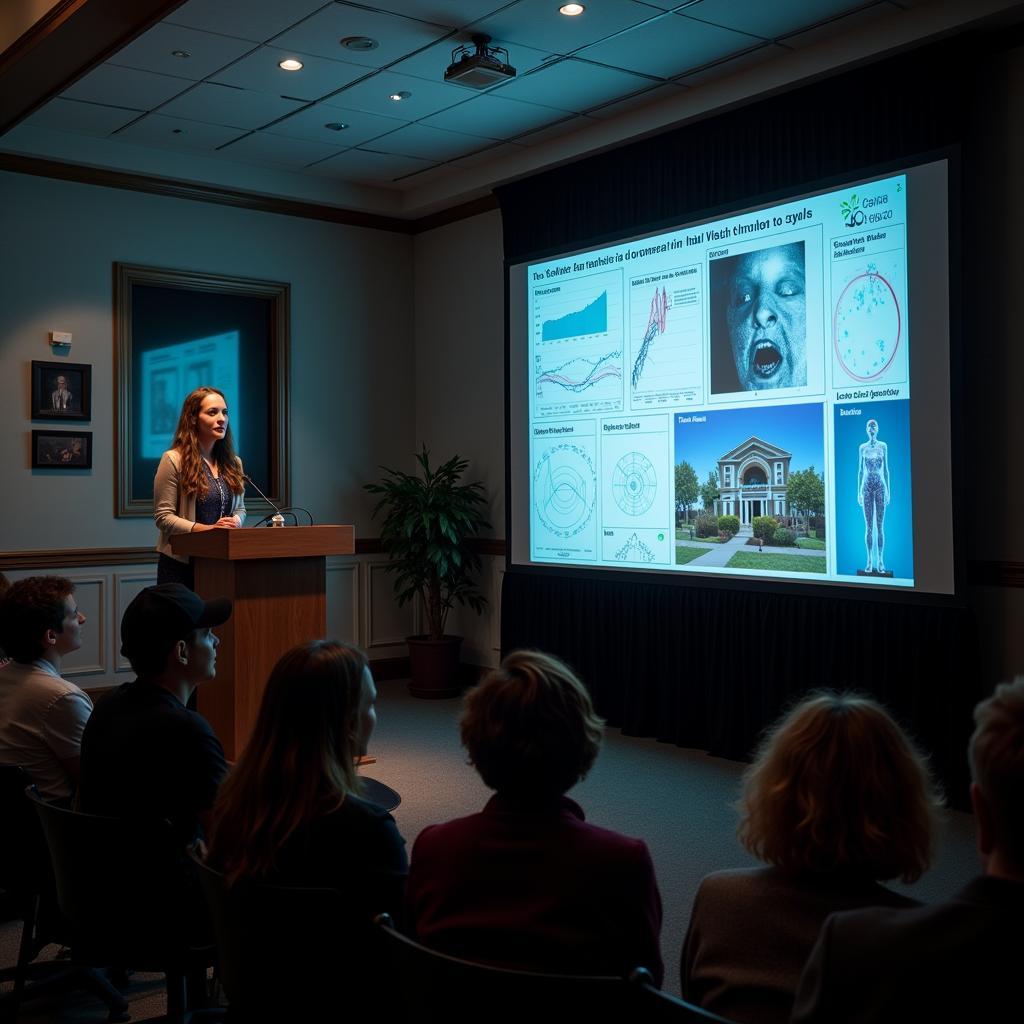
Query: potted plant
(429, 517)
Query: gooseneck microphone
(276, 519)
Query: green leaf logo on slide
(853, 215)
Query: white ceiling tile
(669, 46)
(372, 95)
(572, 85)
(318, 77)
(126, 87)
(360, 126)
(81, 118)
(397, 36)
(454, 13)
(362, 166)
(768, 20)
(175, 133)
(494, 117)
(428, 143)
(432, 62)
(278, 151)
(256, 20)
(537, 23)
(222, 104)
(655, 94)
(154, 51)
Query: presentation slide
(755, 395)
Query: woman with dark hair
(836, 800)
(527, 883)
(291, 812)
(199, 484)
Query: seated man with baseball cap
(144, 753)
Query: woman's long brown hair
(300, 762)
(191, 478)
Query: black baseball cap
(160, 616)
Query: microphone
(275, 520)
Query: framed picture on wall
(61, 391)
(177, 330)
(61, 449)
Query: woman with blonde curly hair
(199, 482)
(836, 801)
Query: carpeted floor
(678, 801)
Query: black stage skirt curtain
(906, 105)
(710, 668)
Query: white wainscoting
(360, 608)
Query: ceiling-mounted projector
(479, 67)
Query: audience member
(144, 753)
(954, 960)
(42, 715)
(527, 883)
(290, 813)
(836, 799)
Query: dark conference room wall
(351, 395)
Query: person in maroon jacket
(528, 883)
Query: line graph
(665, 337)
(577, 347)
(582, 372)
(655, 325)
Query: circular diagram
(866, 326)
(565, 489)
(634, 484)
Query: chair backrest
(24, 862)
(121, 884)
(442, 988)
(288, 952)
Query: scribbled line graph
(582, 373)
(565, 489)
(655, 326)
(591, 319)
(634, 550)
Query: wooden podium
(276, 578)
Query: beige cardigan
(174, 511)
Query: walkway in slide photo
(720, 554)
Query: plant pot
(435, 665)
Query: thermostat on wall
(60, 338)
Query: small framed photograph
(61, 391)
(61, 449)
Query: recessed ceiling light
(336, 126)
(571, 10)
(180, 53)
(403, 94)
(359, 43)
(290, 65)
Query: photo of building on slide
(750, 493)
(759, 320)
(874, 524)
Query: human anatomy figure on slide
(873, 495)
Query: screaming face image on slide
(762, 312)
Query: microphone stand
(275, 520)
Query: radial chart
(565, 489)
(634, 484)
